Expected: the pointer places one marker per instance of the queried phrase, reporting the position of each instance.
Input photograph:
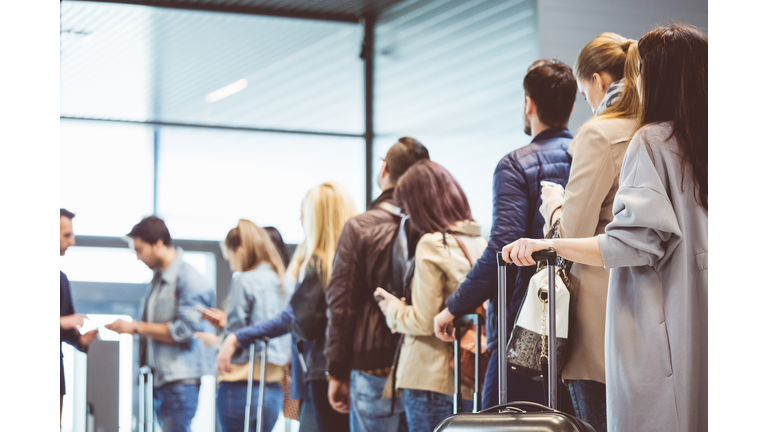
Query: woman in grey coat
(656, 246)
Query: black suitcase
(515, 416)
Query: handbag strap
(463, 248)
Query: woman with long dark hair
(444, 255)
(656, 246)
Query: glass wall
(451, 75)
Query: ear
(597, 79)
(530, 106)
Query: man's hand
(338, 395)
(214, 316)
(87, 338)
(120, 326)
(443, 321)
(71, 322)
(224, 359)
(209, 339)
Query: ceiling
(329, 10)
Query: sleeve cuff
(339, 370)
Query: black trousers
(327, 418)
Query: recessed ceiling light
(226, 91)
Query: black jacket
(71, 337)
(309, 310)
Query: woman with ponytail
(256, 295)
(324, 211)
(656, 246)
(606, 71)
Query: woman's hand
(209, 339)
(443, 328)
(519, 252)
(217, 317)
(387, 297)
(224, 359)
(548, 192)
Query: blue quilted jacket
(516, 201)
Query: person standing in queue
(550, 92)
(256, 295)
(360, 347)
(656, 246)
(325, 210)
(69, 321)
(606, 71)
(451, 242)
(169, 322)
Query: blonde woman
(256, 295)
(325, 210)
(606, 73)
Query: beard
(526, 126)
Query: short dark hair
(66, 213)
(150, 230)
(432, 197)
(406, 152)
(552, 86)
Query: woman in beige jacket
(439, 208)
(606, 71)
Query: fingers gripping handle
(550, 256)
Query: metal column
(369, 23)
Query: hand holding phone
(548, 183)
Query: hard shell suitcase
(519, 416)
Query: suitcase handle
(522, 406)
(459, 323)
(549, 255)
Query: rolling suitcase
(518, 416)
(262, 389)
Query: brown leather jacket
(357, 333)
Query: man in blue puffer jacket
(550, 92)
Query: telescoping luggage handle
(550, 257)
(146, 410)
(262, 388)
(459, 323)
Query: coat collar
(468, 228)
(552, 133)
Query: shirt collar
(170, 274)
(551, 133)
(386, 196)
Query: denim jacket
(172, 298)
(255, 296)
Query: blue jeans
(519, 388)
(588, 399)
(369, 412)
(175, 406)
(426, 409)
(230, 405)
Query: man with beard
(550, 91)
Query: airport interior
(205, 112)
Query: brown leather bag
(467, 343)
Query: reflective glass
(106, 175)
(209, 179)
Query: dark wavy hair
(673, 88)
(432, 197)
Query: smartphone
(87, 326)
(548, 183)
(378, 297)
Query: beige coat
(598, 152)
(439, 269)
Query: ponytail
(618, 57)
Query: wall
(565, 26)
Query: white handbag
(527, 346)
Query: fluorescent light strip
(226, 91)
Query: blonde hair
(619, 57)
(256, 247)
(325, 210)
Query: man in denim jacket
(169, 322)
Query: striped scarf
(612, 96)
